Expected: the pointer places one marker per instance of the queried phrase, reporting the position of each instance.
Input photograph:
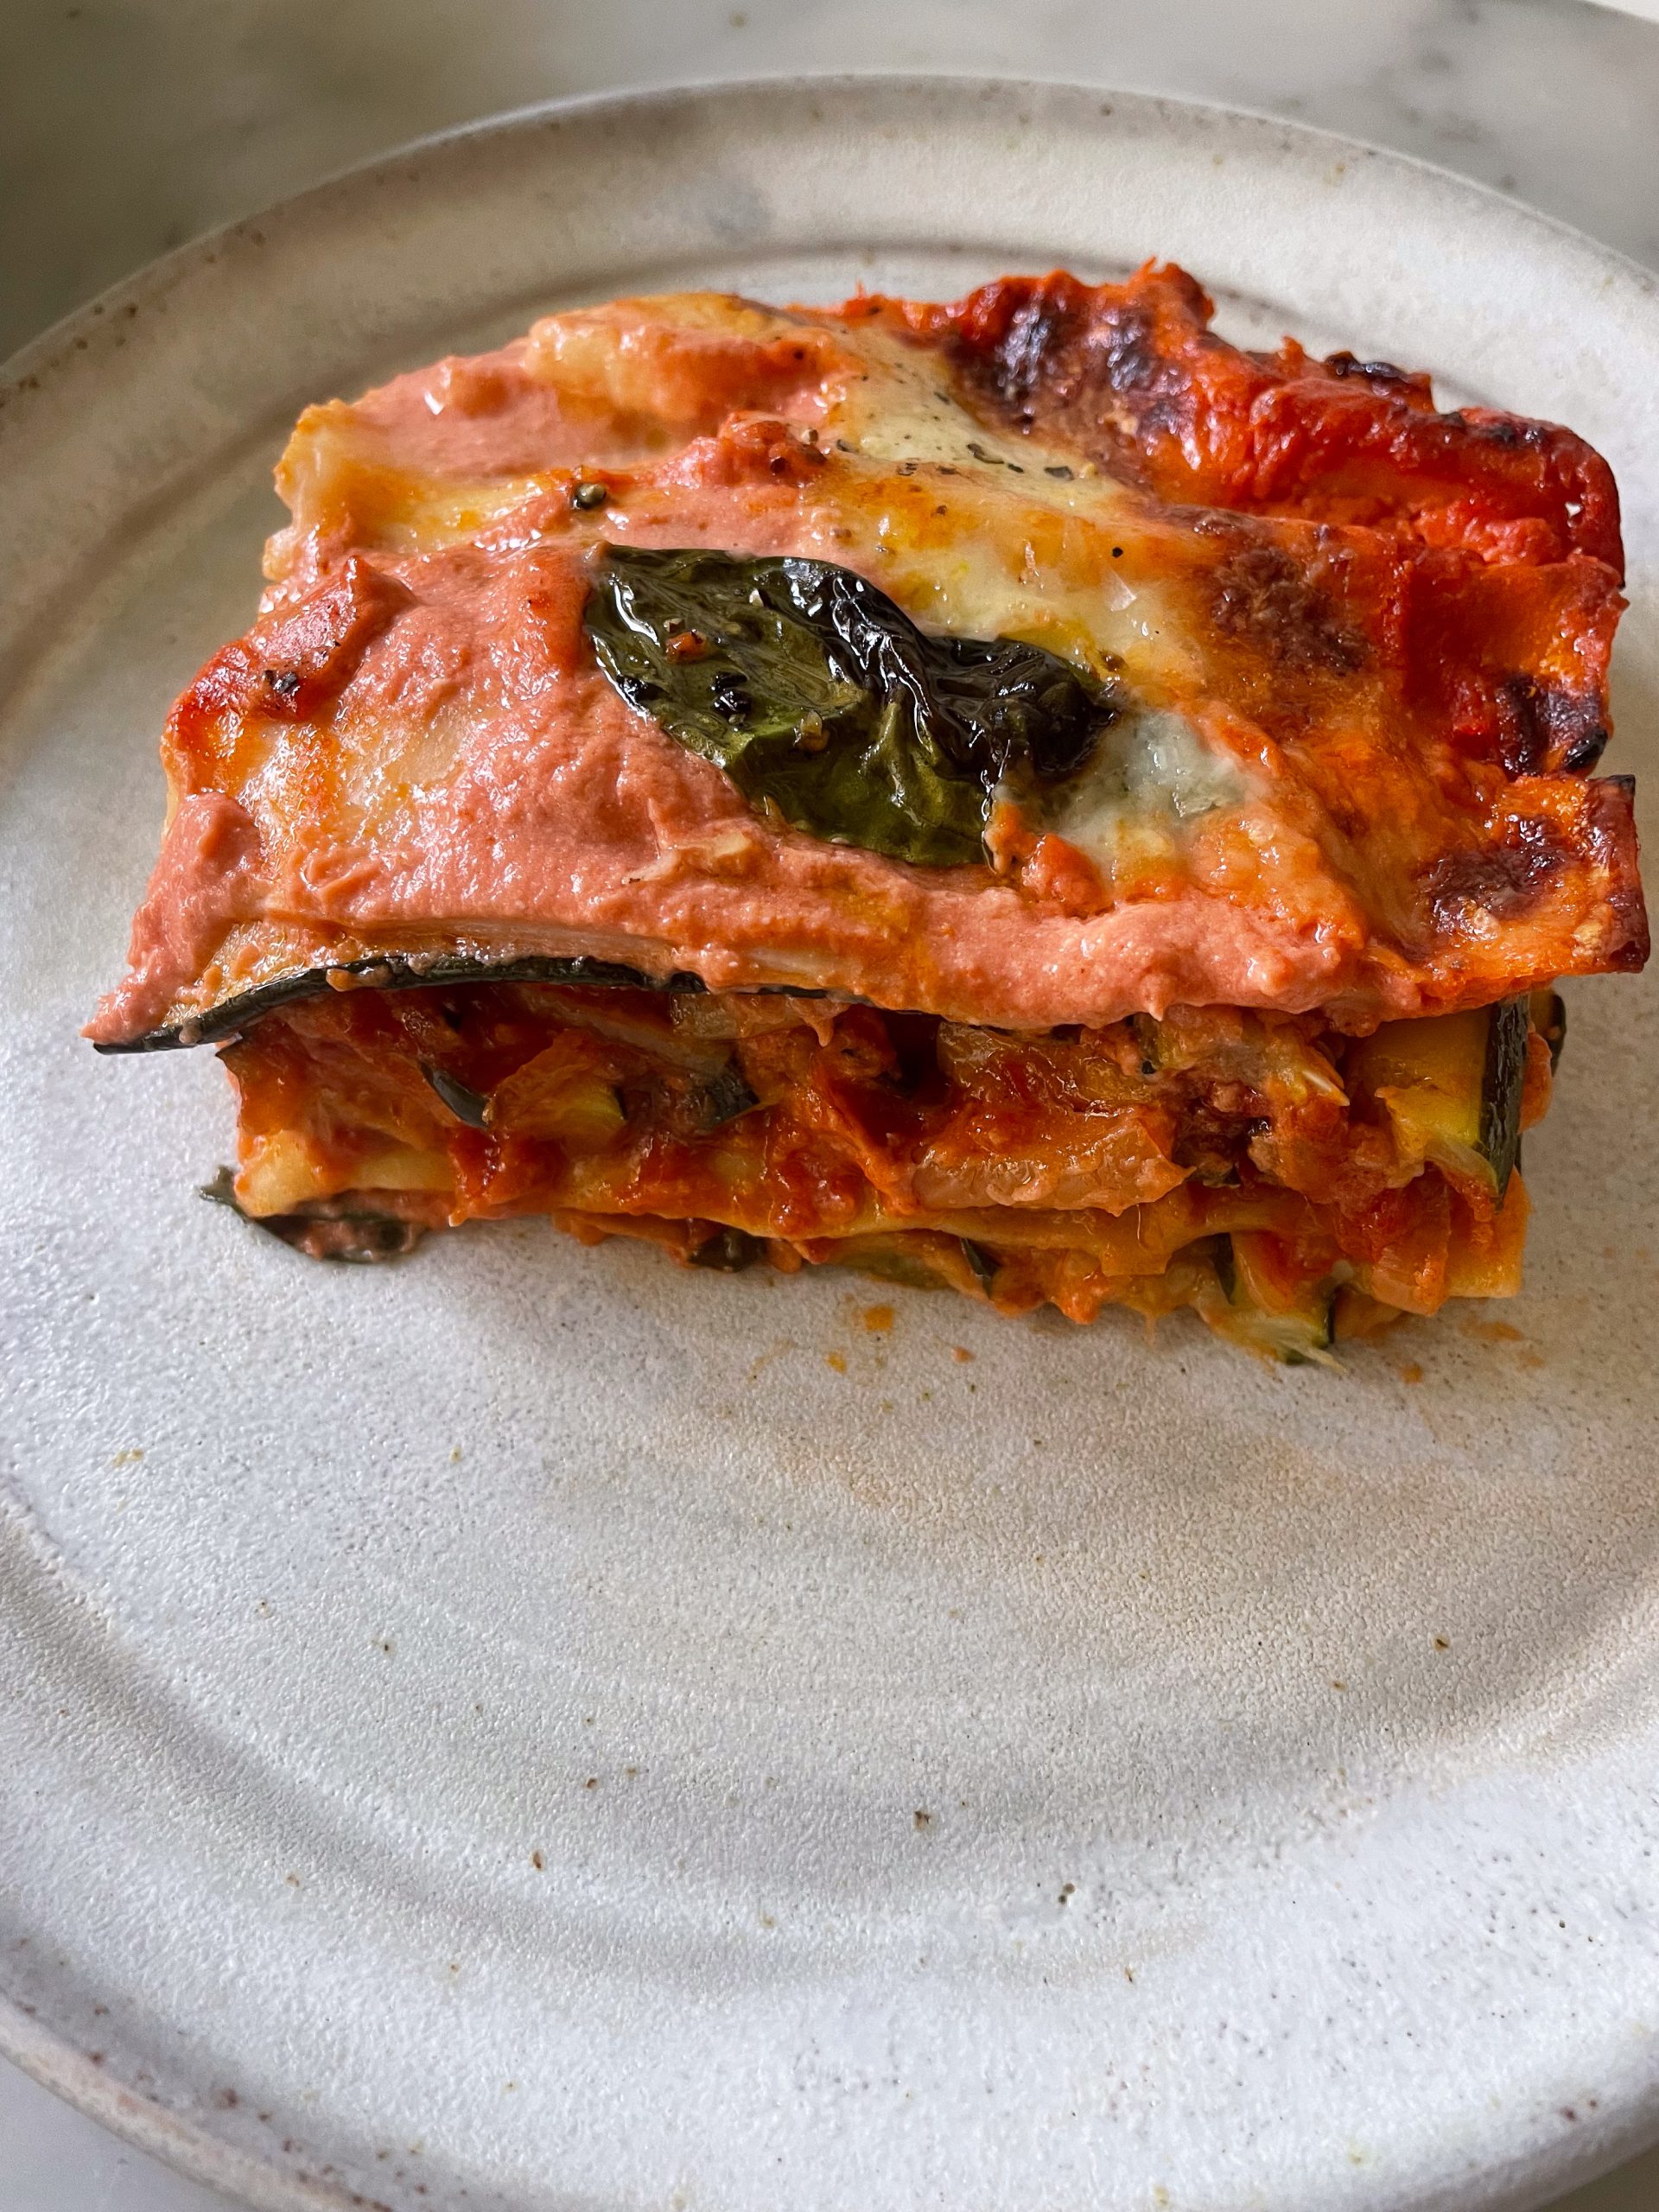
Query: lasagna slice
(1018, 795)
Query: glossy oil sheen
(535, 1729)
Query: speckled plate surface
(531, 1729)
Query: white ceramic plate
(532, 1729)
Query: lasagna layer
(1281, 1178)
(1342, 661)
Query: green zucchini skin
(1293, 1338)
(397, 972)
(356, 1235)
(1502, 1082)
(728, 1251)
(983, 1261)
(725, 1098)
(465, 1104)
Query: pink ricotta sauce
(448, 763)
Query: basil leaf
(814, 691)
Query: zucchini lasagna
(1018, 795)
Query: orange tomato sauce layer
(1084, 1167)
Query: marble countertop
(127, 126)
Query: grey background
(128, 126)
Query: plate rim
(39, 355)
(185, 2144)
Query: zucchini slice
(723, 1097)
(393, 971)
(411, 971)
(1291, 1323)
(465, 1104)
(983, 1261)
(337, 1228)
(728, 1251)
(1451, 1084)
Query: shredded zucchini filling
(1290, 1185)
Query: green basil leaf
(814, 691)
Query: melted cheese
(1153, 777)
